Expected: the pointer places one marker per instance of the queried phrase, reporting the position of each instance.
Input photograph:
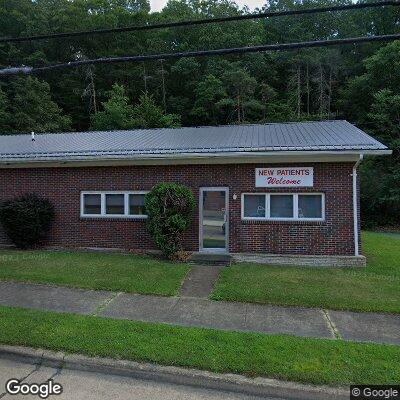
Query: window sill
(113, 218)
(282, 222)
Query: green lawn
(374, 288)
(89, 270)
(278, 356)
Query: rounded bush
(169, 207)
(26, 220)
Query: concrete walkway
(200, 281)
(189, 311)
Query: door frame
(201, 195)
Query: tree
(208, 93)
(372, 99)
(268, 93)
(279, 111)
(381, 71)
(33, 109)
(4, 114)
(380, 177)
(146, 114)
(241, 87)
(117, 113)
(385, 116)
(183, 79)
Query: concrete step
(210, 259)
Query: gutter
(70, 158)
(355, 206)
(239, 385)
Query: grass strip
(93, 270)
(374, 288)
(333, 362)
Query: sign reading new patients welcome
(285, 177)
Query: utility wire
(202, 21)
(203, 53)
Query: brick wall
(62, 186)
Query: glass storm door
(214, 219)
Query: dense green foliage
(377, 109)
(26, 220)
(169, 207)
(119, 114)
(374, 288)
(32, 109)
(92, 270)
(4, 113)
(316, 361)
(263, 87)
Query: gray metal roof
(303, 136)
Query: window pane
(254, 206)
(281, 206)
(310, 206)
(115, 204)
(92, 204)
(136, 204)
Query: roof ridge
(177, 128)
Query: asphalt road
(81, 385)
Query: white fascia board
(194, 158)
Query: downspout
(355, 206)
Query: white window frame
(295, 207)
(103, 213)
(266, 206)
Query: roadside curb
(261, 387)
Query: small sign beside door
(285, 177)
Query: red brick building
(262, 190)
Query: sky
(157, 5)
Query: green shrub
(169, 207)
(26, 220)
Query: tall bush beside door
(169, 207)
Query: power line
(202, 53)
(270, 14)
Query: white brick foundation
(300, 260)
